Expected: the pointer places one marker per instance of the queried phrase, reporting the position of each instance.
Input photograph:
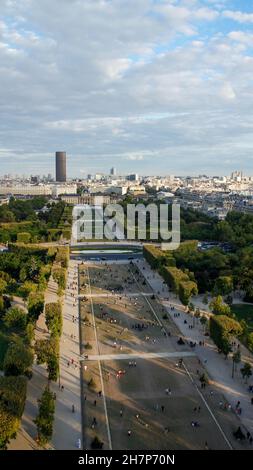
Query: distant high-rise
(133, 177)
(113, 171)
(60, 167)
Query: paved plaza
(141, 389)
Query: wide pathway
(67, 426)
(138, 355)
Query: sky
(153, 87)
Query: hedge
(157, 257)
(182, 283)
(186, 290)
(222, 328)
(173, 277)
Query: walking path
(67, 425)
(138, 355)
(100, 368)
(219, 369)
(131, 294)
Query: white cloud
(123, 81)
(242, 37)
(239, 16)
(227, 91)
(114, 69)
(134, 157)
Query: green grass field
(244, 312)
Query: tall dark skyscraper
(60, 167)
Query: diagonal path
(121, 357)
(130, 294)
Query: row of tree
(48, 350)
(182, 282)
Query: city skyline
(51, 174)
(147, 84)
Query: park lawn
(244, 312)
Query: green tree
(12, 403)
(96, 443)
(236, 360)
(3, 285)
(246, 371)
(6, 215)
(197, 312)
(35, 305)
(205, 299)
(53, 313)
(53, 367)
(218, 307)
(204, 379)
(59, 276)
(250, 342)
(186, 290)
(191, 307)
(222, 329)
(223, 285)
(23, 237)
(30, 333)
(45, 418)
(26, 288)
(47, 352)
(203, 321)
(2, 306)
(43, 349)
(15, 318)
(18, 360)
